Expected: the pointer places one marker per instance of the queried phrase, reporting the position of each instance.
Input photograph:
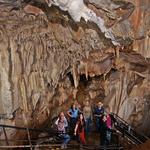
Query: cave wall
(40, 46)
(35, 55)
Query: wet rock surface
(47, 60)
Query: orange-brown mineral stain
(29, 9)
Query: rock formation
(145, 146)
(50, 56)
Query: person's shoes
(63, 146)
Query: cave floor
(92, 142)
(91, 139)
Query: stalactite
(75, 76)
(45, 48)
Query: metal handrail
(118, 117)
(25, 128)
(3, 126)
(48, 145)
(49, 131)
(96, 147)
(124, 127)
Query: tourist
(73, 113)
(62, 124)
(79, 129)
(77, 104)
(87, 112)
(106, 127)
(98, 113)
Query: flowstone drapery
(47, 52)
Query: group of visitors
(80, 120)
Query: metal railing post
(29, 138)
(6, 138)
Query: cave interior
(54, 53)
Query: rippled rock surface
(48, 59)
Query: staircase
(127, 131)
(51, 139)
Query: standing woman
(73, 114)
(87, 112)
(79, 129)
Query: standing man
(98, 113)
(106, 126)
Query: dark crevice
(69, 75)
(10, 77)
(83, 80)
